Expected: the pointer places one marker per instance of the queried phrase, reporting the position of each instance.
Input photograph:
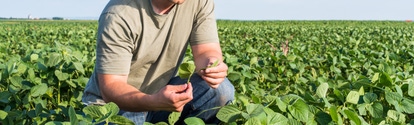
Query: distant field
(285, 72)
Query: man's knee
(225, 92)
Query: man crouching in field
(140, 45)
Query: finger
(214, 86)
(177, 88)
(186, 95)
(180, 109)
(213, 82)
(216, 75)
(221, 67)
(189, 88)
(189, 91)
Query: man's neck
(162, 6)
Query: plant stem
(58, 96)
(189, 77)
(214, 108)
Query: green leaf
(253, 61)
(245, 115)
(353, 116)
(292, 121)
(411, 89)
(251, 50)
(4, 96)
(3, 114)
(233, 76)
(334, 113)
(407, 106)
(71, 83)
(38, 109)
(31, 74)
(292, 65)
(194, 121)
(385, 80)
(300, 110)
(274, 118)
(322, 118)
(162, 123)
(120, 120)
(174, 117)
(398, 89)
(61, 76)
(107, 111)
(148, 123)
(94, 110)
(339, 95)
(112, 108)
(262, 117)
(228, 113)
(362, 111)
(72, 116)
(186, 70)
(361, 91)
(336, 70)
(41, 66)
(370, 97)
(254, 109)
(214, 64)
(376, 110)
(282, 105)
(253, 121)
(10, 69)
(16, 81)
(396, 116)
(327, 104)
(353, 97)
(34, 57)
(393, 98)
(58, 123)
(79, 67)
(322, 89)
(38, 90)
(243, 99)
(54, 59)
(21, 68)
(291, 57)
(13, 89)
(375, 77)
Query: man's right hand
(173, 97)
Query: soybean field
(284, 72)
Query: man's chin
(177, 2)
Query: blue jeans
(204, 100)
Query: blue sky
(233, 9)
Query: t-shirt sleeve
(114, 45)
(204, 27)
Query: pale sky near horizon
(232, 9)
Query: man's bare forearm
(115, 89)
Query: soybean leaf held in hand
(187, 69)
(211, 66)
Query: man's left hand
(214, 75)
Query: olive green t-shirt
(134, 40)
